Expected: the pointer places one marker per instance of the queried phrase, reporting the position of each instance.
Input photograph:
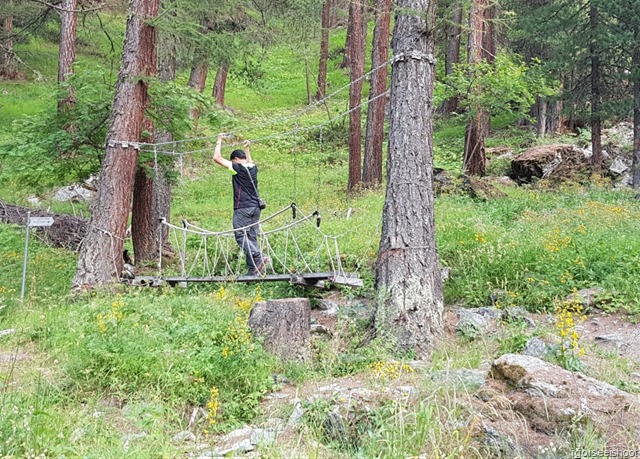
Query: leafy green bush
(179, 346)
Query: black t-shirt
(244, 193)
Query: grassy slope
(537, 246)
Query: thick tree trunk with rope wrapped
(372, 166)
(67, 51)
(356, 57)
(408, 277)
(100, 258)
(152, 190)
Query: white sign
(40, 221)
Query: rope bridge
(300, 253)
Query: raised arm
(247, 152)
(217, 156)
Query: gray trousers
(248, 239)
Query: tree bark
(356, 55)
(220, 85)
(100, 258)
(284, 325)
(541, 117)
(408, 276)
(635, 65)
(452, 57)
(474, 162)
(197, 81)
(7, 60)
(372, 168)
(596, 97)
(67, 53)
(152, 189)
(324, 50)
(346, 60)
(66, 232)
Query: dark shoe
(262, 266)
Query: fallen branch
(66, 232)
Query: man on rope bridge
(247, 204)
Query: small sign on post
(31, 222)
(40, 221)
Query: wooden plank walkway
(306, 279)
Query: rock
(33, 200)
(463, 378)
(517, 315)
(551, 397)
(242, 447)
(499, 442)
(91, 183)
(560, 161)
(73, 193)
(535, 347)
(445, 273)
(8, 331)
(334, 427)
(329, 308)
(507, 181)
(296, 415)
(263, 436)
(285, 326)
(489, 312)
(318, 329)
(619, 165)
(586, 297)
(184, 437)
(478, 189)
(470, 324)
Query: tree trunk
(474, 162)
(67, 54)
(152, 191)
(219, 86)
(596, 98)
(635, 69)
(324, 51)
(452, 56)
(100, 258)
(285, 327)
(346, 61)
(541, 117)
(372, 168)
(356, 55)
(197, 81)
(66, 232)
(489, 49)
(408, 276)
(7, 60)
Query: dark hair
(238, 154)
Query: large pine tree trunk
(346, 60)
(7, 60)
(324, 51)
(474, 162)
(372, 167)
(152, 191)
(100, 258)
(67, 53)
(408, 274)
(596, 98)
(635, 65)
(220, 85)
(356, 55)
(452, 56)
(197, 81)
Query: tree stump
(285, 327)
